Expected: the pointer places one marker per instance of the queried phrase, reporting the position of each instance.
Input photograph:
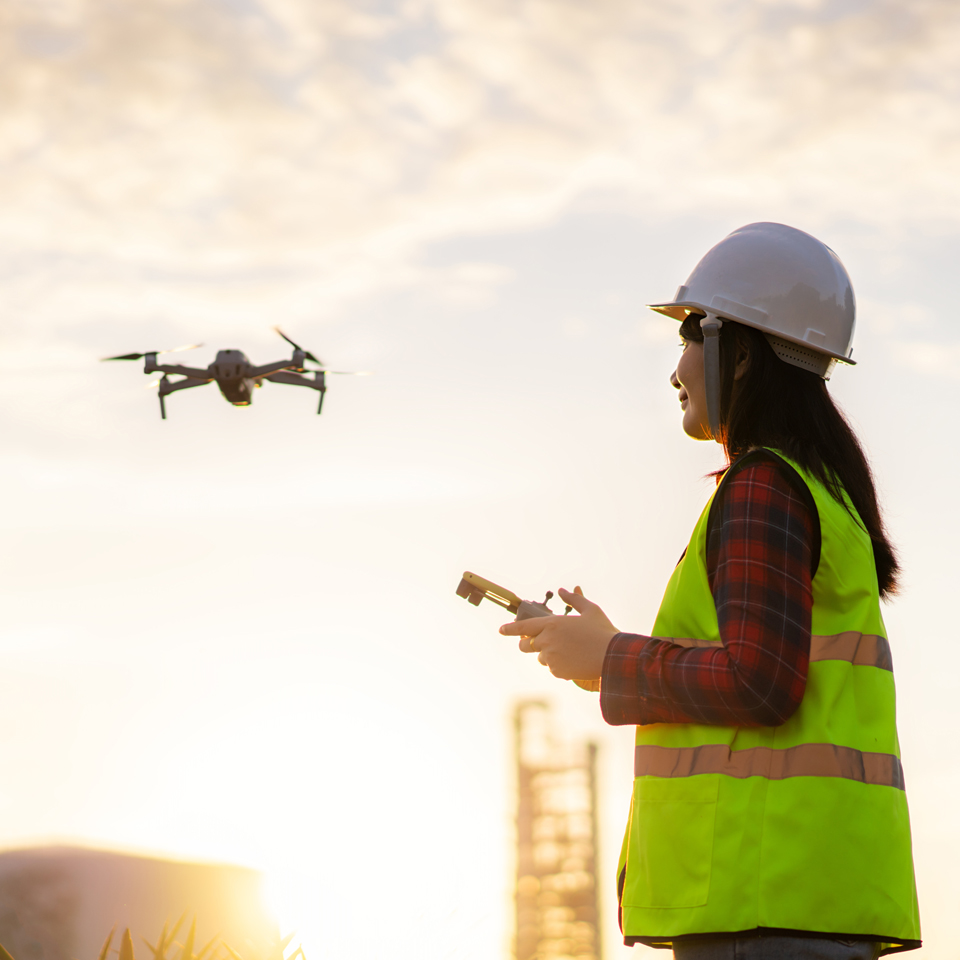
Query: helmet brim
(679, 309)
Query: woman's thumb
(576, 599)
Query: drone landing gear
(168, 386)
(299, 380)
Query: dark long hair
(775, 404)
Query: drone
(234, 374)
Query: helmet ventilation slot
(803, 357)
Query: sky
(233, 634)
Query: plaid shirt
(760, 543)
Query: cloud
(928, 358)
(313, 149)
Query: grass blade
(159, 949)
(188, 946)
(233, 953)
(176, 928)
(105, 949)
(126, 946)
(203, 952)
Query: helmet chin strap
(710, 325)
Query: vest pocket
(670, 850)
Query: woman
(768, 817)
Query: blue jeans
(775, 948)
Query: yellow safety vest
(801, 827)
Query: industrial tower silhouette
(556, 894)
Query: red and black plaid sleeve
(759, 547)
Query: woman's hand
(572, 647)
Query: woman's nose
(674, 380)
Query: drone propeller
(296, 346)
(140, 356)
(348, 373)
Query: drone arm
(176, 368)
(317, 383)
(298, 380)
(172, 386)
(270, 368)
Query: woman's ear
(743, 359)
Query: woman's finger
(524, 628)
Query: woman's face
(688, 379)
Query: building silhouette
(557, 915)
(60, 903)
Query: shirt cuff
(622, 686)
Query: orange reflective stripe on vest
(804, 760)
(861, 649)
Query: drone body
(229, 370)
(234, 374)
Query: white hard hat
(779, 280)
